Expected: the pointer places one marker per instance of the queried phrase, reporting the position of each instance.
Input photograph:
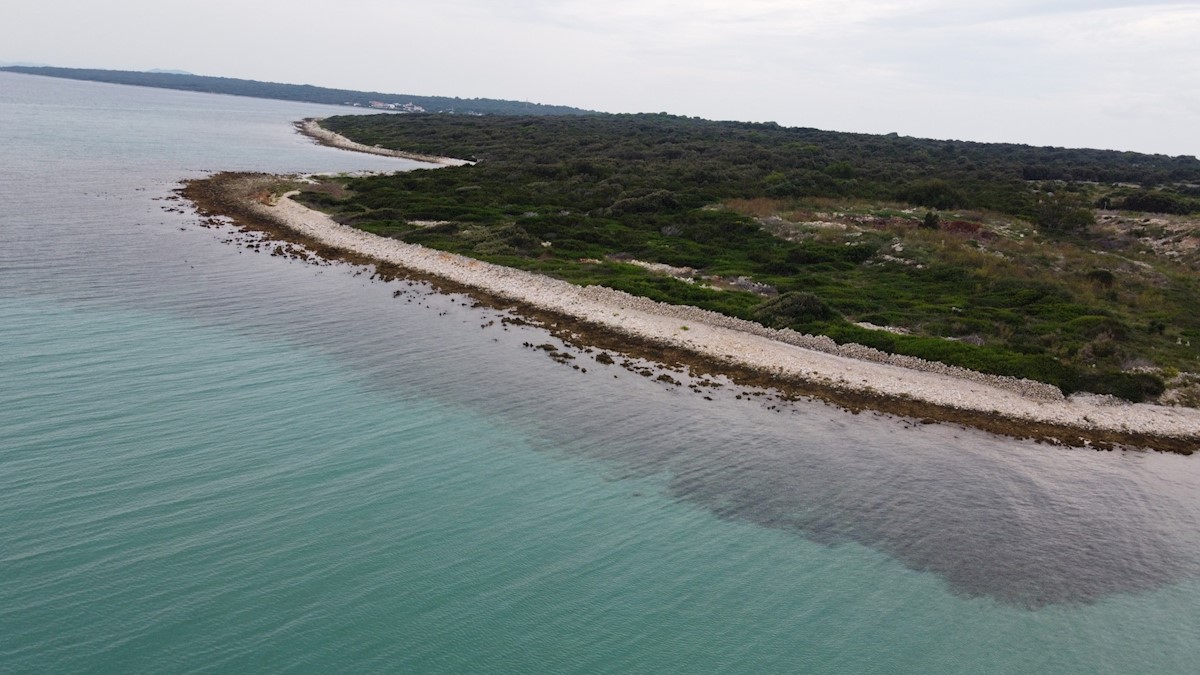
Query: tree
(935, 194)
(1062, 213)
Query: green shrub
(1136, 387)
(790, 309)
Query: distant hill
(303, 92)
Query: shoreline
(710, 343)
(311, 127)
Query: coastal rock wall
(821, 343)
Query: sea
(217, 460)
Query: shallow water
(213, 459)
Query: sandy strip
(312, 128)
(724, 340)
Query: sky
(1112, 74)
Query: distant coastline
(297, 92)
(853, 377)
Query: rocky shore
(852, 376)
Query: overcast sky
(1114, 74)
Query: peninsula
(851, 375)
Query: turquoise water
(215, 460)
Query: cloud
(1068, 72)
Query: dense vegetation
(983, 255)
(298, 92)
